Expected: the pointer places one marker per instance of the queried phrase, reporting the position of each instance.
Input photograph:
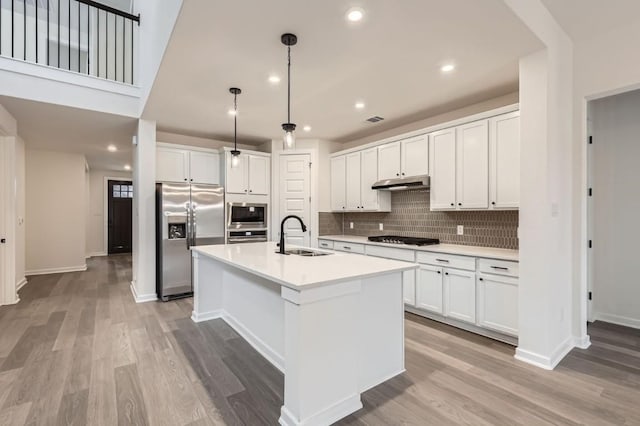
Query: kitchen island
(333, 324)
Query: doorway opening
(119, 216)
(612, 209)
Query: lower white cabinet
(409, 287)
(429, 294)
(460, 295)
(498, 303)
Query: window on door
(120, 203)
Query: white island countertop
(296, 271)
(474, 251)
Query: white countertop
(485, 252)
(299, 271)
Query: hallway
(78, 350)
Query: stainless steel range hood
(403, 184)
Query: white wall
(20, 212)
(616, 202)
(96, 244)
(604, 64)
(55, 212)
(509, 99)
(179, 139)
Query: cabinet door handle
(446, 273)
(481, 279)
(185, 179)
(403, 174)
(439, 272)
(251, 190)
(452, 204)
(493, 203)
(500, 268)
(459, 204)
(397, 174)
(346, 248)
(443, 260)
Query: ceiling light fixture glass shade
(289, 139)
(235, 154)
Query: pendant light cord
(289, 85)
(235, 122)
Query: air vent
(374, 119)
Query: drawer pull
(346, 248)
(500, 268)
(443, 260)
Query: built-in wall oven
(246, 222)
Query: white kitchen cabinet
(258, 175)
(459, 295)
(389, 161)
(442, 157)
(429, 289)
(204, 167)
(338, 183)
(504, 161)
(414, 156)
(498, 303)
(251, 176)
(369, 176)
(409, 287)
(472, 165)
(183, 165)
(172, 165)
(353, 186)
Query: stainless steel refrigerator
(186, 215)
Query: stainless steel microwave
(247, 216)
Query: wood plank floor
(77, 350)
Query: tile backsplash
(410, 216)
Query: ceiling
(58, 128)
(582, 19)
(391, 60)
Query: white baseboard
(206, 316)
(46, 271)
(327, 416)
(21, 283)
(97, 254)
(547, 362)
(617, 319)
(142, 298)
(582, 342)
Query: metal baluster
(36, 6)
(58, 63)
(106, 45)
(88, 40)
(79, 37)
(131, 51)
(124, 50)
(24, 30)
(48, 34)
(12, 27)
(69, 36)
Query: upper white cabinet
(408, 157)
(504, 161)
(352, 176)
(414, 154)
(389, 161)
(251, 176)
(442, 155)
(476, 166)
(353, 186)
(183, 165)
(472, 168)
(338, 183)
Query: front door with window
(119, 220)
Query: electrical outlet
(350, 225)
(460, 230)
(381, 226)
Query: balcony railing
(83, 36)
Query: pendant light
(235, 154)
(289, 127)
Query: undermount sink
(305, 252)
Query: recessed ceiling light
(274, 79)
(112, 148)
(447, 68)
(359, 105)
(307, 128)
(355, 14)
(127, 167)
(231, 112)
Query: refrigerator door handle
(193, 224)
(188, 236)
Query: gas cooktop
(394, 239)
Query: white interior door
(295, 197)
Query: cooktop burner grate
(394, 239)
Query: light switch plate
(460, 230)
(350, 225)
(381, 226)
